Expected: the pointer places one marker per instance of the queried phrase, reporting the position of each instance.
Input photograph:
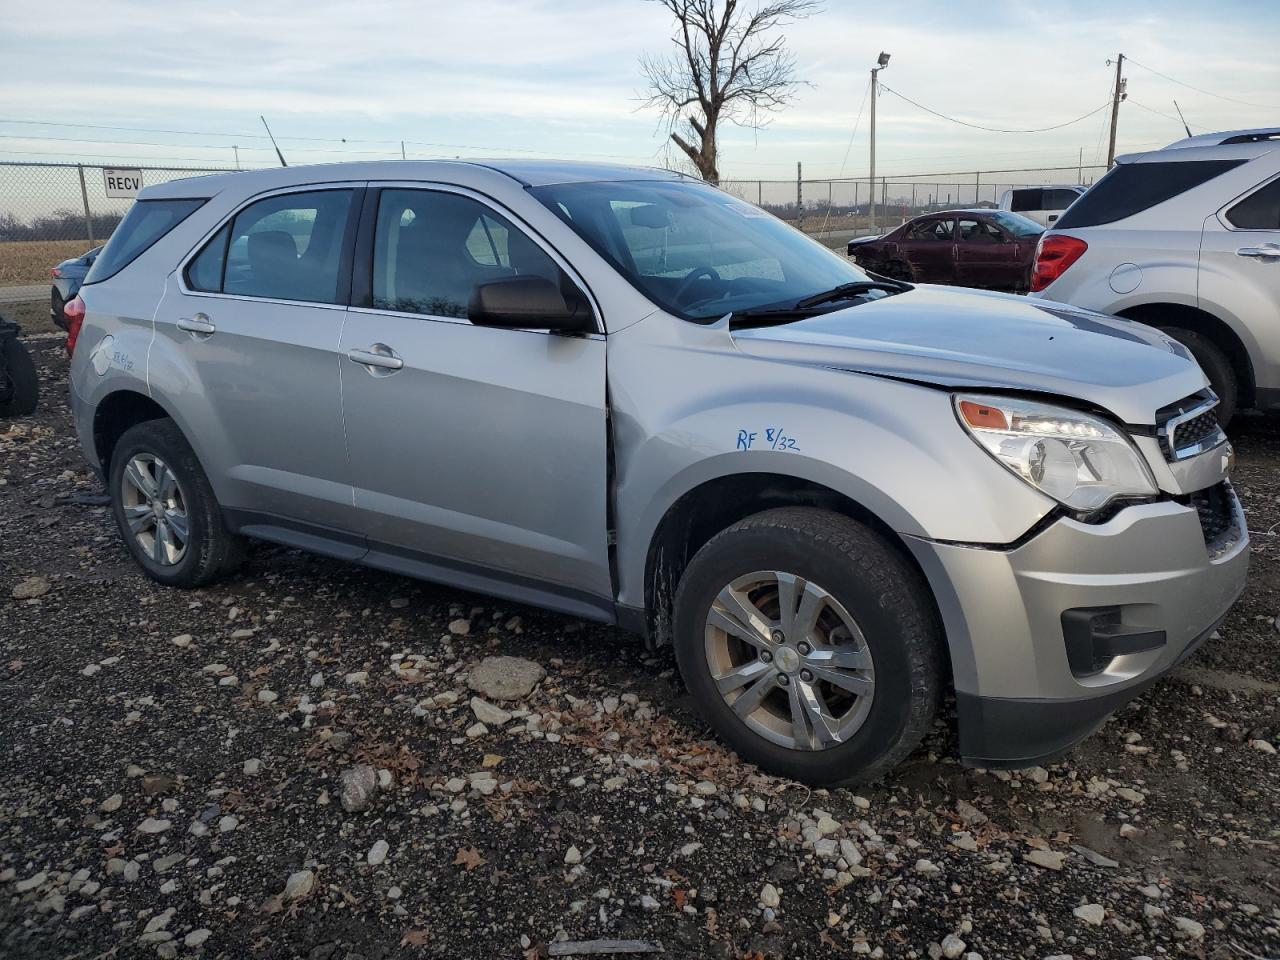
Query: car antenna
(1182, 118)
(273, 141)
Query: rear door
(254, 321)
(475, 450)
(929, 246)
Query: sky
(560, 78)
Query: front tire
(166, 510)
(22, 393)
(809, 645)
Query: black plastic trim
(1000, 733)
(1095, 636)
(356, 548)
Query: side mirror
(530, 303)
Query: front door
(475, 449)
(255, 320)
(985, 256)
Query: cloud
(561, 76)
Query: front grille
(1216, 508)
(1189, 427)
(1196, 429)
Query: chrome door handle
(379, 359)
(198, 326)
(1265, 251)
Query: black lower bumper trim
(1001, 733)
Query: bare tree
(729, 65)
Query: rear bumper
(1019, 698)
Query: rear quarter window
(1258, 211)
(1130, 188)
(145, 223)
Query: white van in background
(1041, 204)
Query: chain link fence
(835, 210)
(52, 211)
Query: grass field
(28, 261)
(33, 316)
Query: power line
(854, 132)
(1207, 93)
(977, 126)
(1158, 113)
(259, 136)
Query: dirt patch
(171, 759)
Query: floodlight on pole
(882, 63)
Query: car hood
(860, 240)
(962, 338)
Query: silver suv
(628, 396)
(1186, 239)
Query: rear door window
(1258, 211)
(286, 247)
(1130, 188)
(145, 223)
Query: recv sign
(122, 183)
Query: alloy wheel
(155, 508)
(789, 660)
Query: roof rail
(1226, 137)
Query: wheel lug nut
(804, 648)
(766, 656)
(783, 679)
(806, 676)
(779, 636)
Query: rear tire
(1216, 366)
(166, 510)
(872, 625)
(56, 305)
(23, 392)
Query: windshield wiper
(846, 291)
(808, 306)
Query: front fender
(893, 448)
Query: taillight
(1054, 253)
(55, 273)
(74, 312)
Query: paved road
(38, 291)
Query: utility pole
(1115, 111)
(881, 62)
(1080, 167)
(799, 197)
(237, 150)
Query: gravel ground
(290, 764)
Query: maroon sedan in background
(991, 249)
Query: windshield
(696, 251)
(1016, 223)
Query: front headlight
(1079, 460)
